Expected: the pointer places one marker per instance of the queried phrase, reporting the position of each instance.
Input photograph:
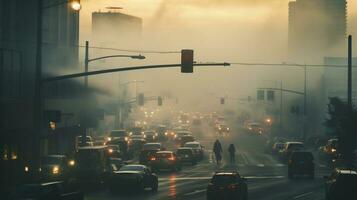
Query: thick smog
(178, 99)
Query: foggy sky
(218, 30)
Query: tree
(342, 121)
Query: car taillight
(233, 186)
(152, 158)
(171, 158)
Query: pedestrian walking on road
(217, 149)
(232, 153)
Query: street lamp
(76, 5)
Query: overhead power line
(133, 50)
(288, 65)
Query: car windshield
(296, 146)
(163, 155)
(224, 179)
(151, 146)
(184, 151)
(192, 145)
(118, 134)
(52, 160)
(132, 168)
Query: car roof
(184, 148)
(153, 143)
(118, 130)
(192, 143)
(294, 143)
(93, 147)
(164, 152)
(226, 173)
(346, 171)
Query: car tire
(155, 187)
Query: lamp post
(87, 60)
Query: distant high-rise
(316, 28)
(115, 27)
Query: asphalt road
(267, 175)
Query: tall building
(18, 40)
(115, 27)
(316, 28)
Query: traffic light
(186, 61)
(222, 101)
(159, 101)
(140, 99)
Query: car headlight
(110, 150)
(333, 150)
(26, 169)
(131, 133)
(71, 163)
(219, 128)
(228, 129)
(166, 133)
(126, 138)
(109, 139)
(144, 136)
(55, 170)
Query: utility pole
(349, 79)
(305, 104)
(281, 108)
(86, 63)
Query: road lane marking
(195, 192)
(302, 195)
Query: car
(148, 151)
(122, 144)
(341, 184)
(150, 136)
(50, 190)
(56, 167)
(133, 177)
(184, 139)
(289, 147)
(114, 151)
(227, 185)
(186, 155)
(255, 128)
(165, 160)
(278, 146)
(197, 149)
(118, 134)
(330, 149)
(301, 163)
(223, 129)
(88, 141)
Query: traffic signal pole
(122, 69)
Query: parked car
(301, 163)
(227, 185)
(165, 160)
(186, 155)
(341, 184)
(133, 177)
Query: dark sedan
(133, 177)
(165, 160)
(227, 185)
